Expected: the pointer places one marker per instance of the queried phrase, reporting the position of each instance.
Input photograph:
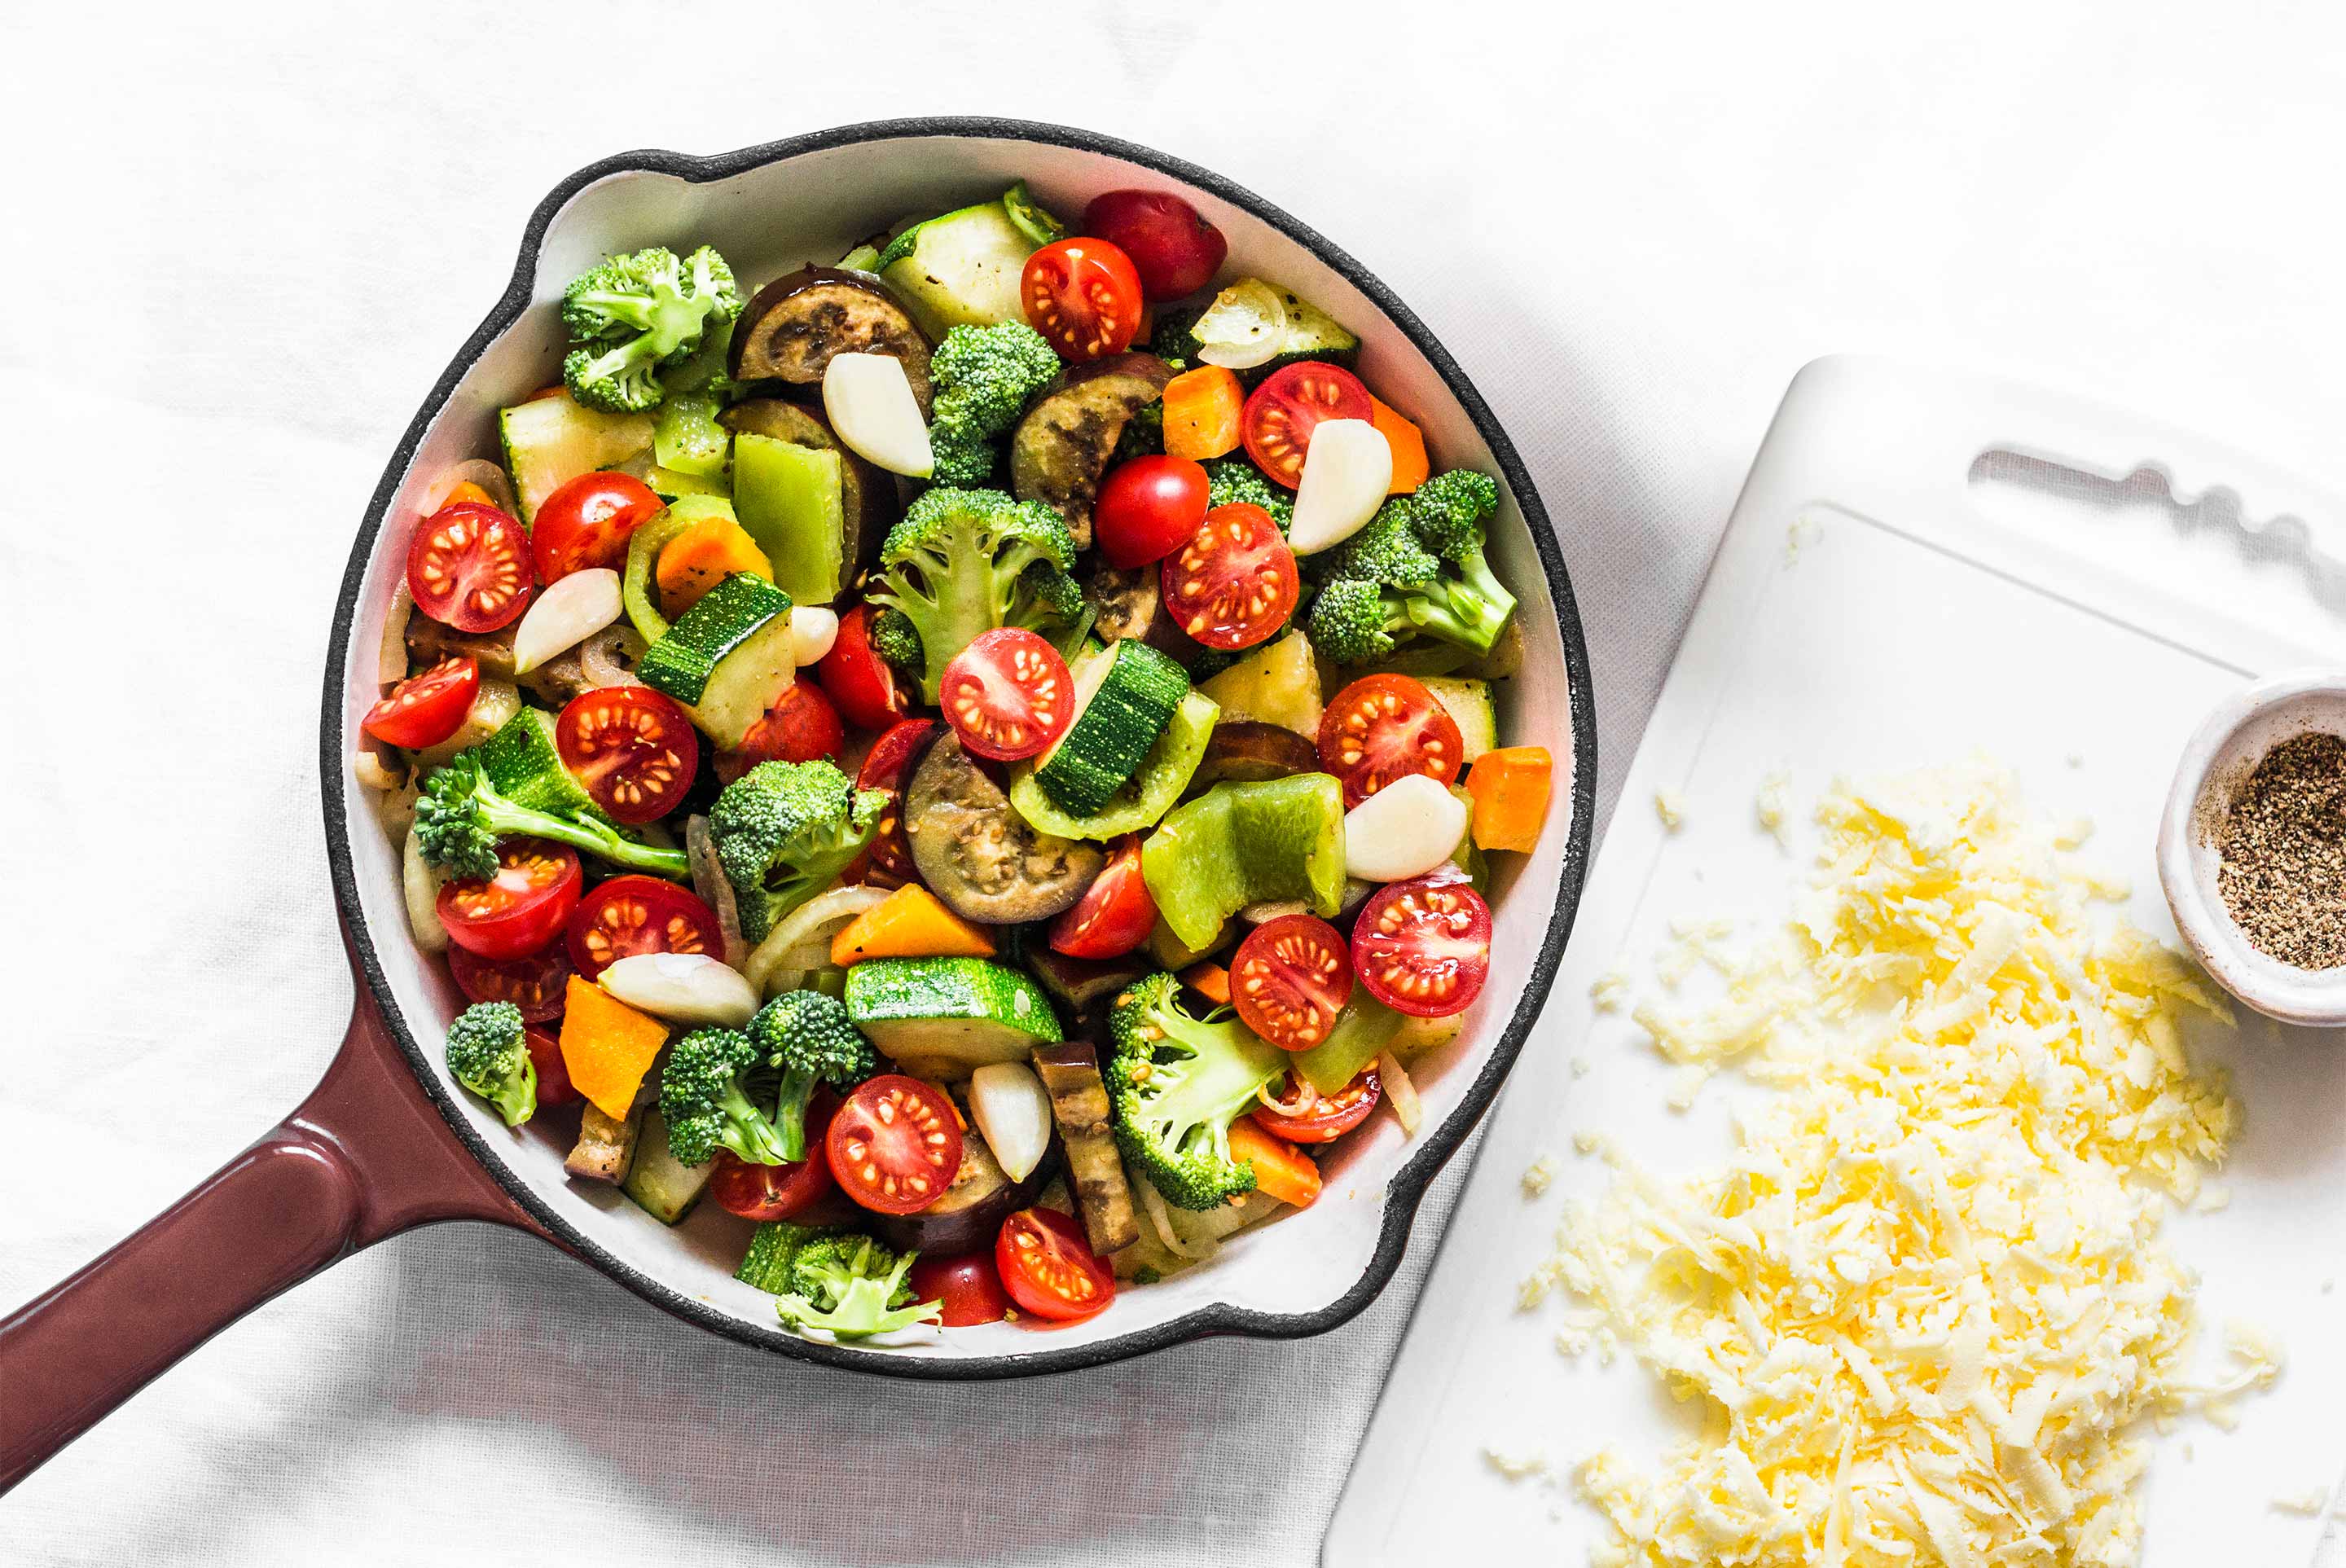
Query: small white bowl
(2218, 760)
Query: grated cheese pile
(1926, 1301)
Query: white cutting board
(1929, 610)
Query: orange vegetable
(556, 390)
(1408, 443)
(1510, 786)
(702, 556)
(1280, 1169)
(608, 1046)
(909, 923)
(467, 491)
(1201, 412)
(1210, 980)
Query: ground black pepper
(2283, 870)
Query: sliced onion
(373, 773)
(391, 663)
(1243, 328)
(1400, 1092)
(1153, 1203)
(813, 628)
(709, 881)
(874, 413)
(420, 882)
(610, 656)
(818, 919)
(574, 608)
(683, 987)
(477, 471)
(1014, 1113)
(1306, 1097)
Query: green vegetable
(1416, 571)
(773, 1249)
(810, 1037)
(1124, 697)
(1164, 772)
(1175, 1084)
(1229, 480)
(637, 583)
(1232, 327)
(983, 377)
(949, 1015)
(1028, 214)
(792, 502)
(683, 662)
(1468, 703)
(710, 1094)
(460, 815)
(851, 1286)
(784, 832)
(525, 765)
(1365, 1027)
(1237, 844)
(961, 269)
(687, 438)
(488, 1054)
(635, 313)
(964, 562)
(658, 1183)
(1275, 683)
(550, 441)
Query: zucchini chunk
(961, 269)
(551, 440)
(945, 1016)
(727, 659)
(1164, 772)
(1124, 696)
(661, 1184)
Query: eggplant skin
(970, 1211)
(1248, 751)
(1063, 445)
(978, 854)
(794, 327)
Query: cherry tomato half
(554, 1084)
(520, 908)
(1289, 979)
(1049, 1267)
(469, 568)
(1277, 422)
(1115, 913)
(1329, 1118)
(859, 680)
(537, 985)
(1175, 251)
(1082, 296)
(1385, 726)
(1147, 507)
(587, 521)
(1423, 946)
(895, 1146)
(763, 1192)
(633, 914)
(1008, 695)
(968, 1286)
(887, 860)
(802, 726)
(1234, 583)
(632, 747)
(425, 709)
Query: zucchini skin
(681, 662)
(1112, 735)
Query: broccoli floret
(983, 376)
(1143, 434)
(460, 816)
(808, 1036)
(488, 1054)
(711, 1090)
(635, 313)
(784, 832)
(773, 1249)
(893, 639)
(1233, 479)
(964, 562)
(851, 1286)
(1417, 569)
(1175, 1084)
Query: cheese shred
(1925, 1306)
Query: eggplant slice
(978, 854)
(969, 1213)
(795, 324)
(1064, 445)
(1248, 751)
(868, 494)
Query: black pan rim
(1407, 1188)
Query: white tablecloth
(244, 241)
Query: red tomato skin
(1289, 979)
(887, 861)
(1192, 582)
(859, 680)
(1175, 251)
(427, 708)
(1330, 1118)
(537, 984)
(469, 568)
(859, 1132)
(1383, 727)
(1053, 1235)
(633, 748)
(802, 726)
(587, 521)
(1084, 296)
(1432, 909)
(1115, 913)
(969, 1286)
(1147, 507)
(636, 913)
(1277, 423)
(1008, 695)
(553, 1085)
(528, 910)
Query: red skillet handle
(365, 1156)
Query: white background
(244, 242)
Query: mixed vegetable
(863, 746)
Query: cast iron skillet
(383, 1145)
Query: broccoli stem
(505, 820)
(754, 1138)
(789, 1113)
